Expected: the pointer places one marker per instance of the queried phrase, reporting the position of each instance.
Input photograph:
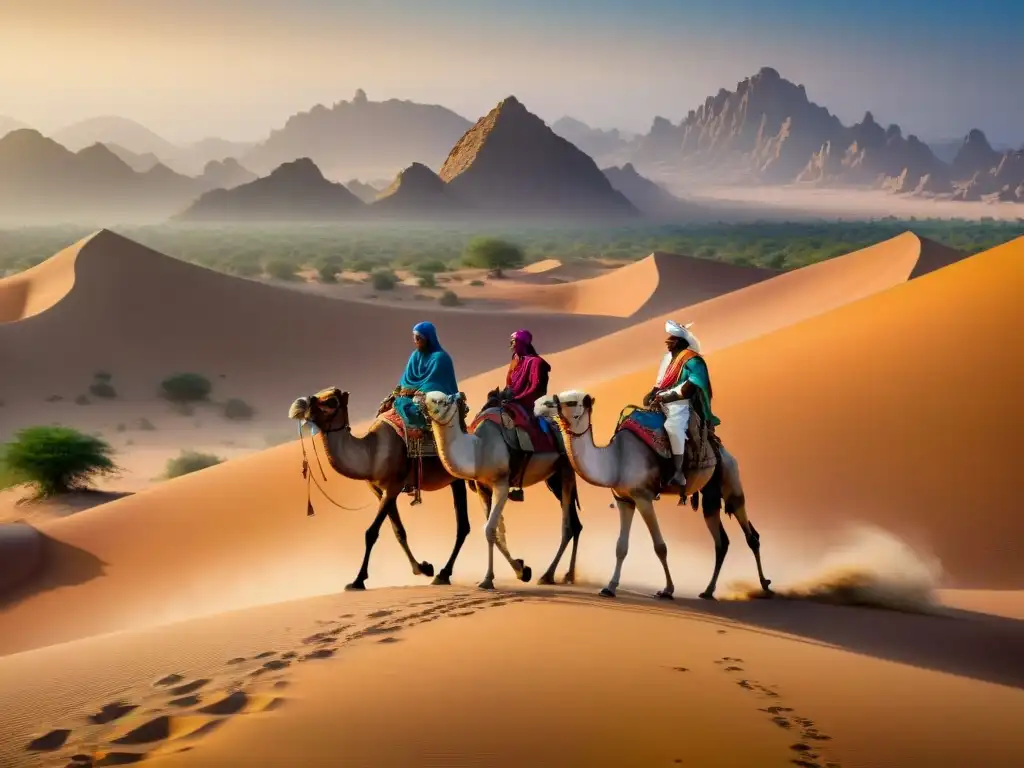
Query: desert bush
(329, 268)
(448, 299)
(281, 269)
(190, 461)
(431, 265)
(238, 410)
(476, 283)
(427, 280)
(383, 280)
(185, 388)
(56, 460)
(362, 265)
(493, 254)
(102, 388)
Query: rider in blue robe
(429, 369)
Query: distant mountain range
(767, 131)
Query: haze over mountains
(766, 131)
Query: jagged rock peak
(977, 137)
(302, 169)
(360, 97)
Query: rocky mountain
(295, 191)
(417, 191)
(946, 149)
(368, 138)
(193, 158)
(602, 145)
(225, 174)
(363, 190)
(40, 179)
(512, 164)
(121, 131)
(768, 131)
(650, 198)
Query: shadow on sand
(54, 564)
(964, 643)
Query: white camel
(483, 458)
(634, 473)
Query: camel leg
(500, 496)
(646, 508)
(626, 509)
(556, 484)
(521, 569)
(371, 538)
(461, 530)
(736, 505)
(418, 568)
(713, 520)
(576, 528)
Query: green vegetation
(449, 299)
(244, 250)
(55, 460)
(282, 269)
(183, 388)
(383, 280)
(494, 254)
(190, 461)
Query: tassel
(305, 469)
(309, 508)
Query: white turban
(673, 328)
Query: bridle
(307, 475)
(563, 422)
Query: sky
(189, 69)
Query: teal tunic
(696, 372)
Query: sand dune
(851, 416)
(522, 678)
(545, 265)
(150, 316)
(757, 309)
(653, 285)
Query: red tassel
(309, 508)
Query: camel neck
(598, 465)
(350, 456)
(456, 448)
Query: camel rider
(525, 382)
(683, 373)
(429, 369)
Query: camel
(381, 459)
(484, 458)
(633, 472)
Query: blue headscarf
(430, 370)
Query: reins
(307, 475)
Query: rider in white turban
(682, 372)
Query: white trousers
(677, 424)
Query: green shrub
(238, 410)
(362, 265)
(190, 461)
(329, 268)
(431, 265)
(449, 299)
(427, 280)
(476, 283)
(102, 388)
(281, 269)
(493, 254)
(56, 460)
(384, 280)
(186, 388)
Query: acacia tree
(56, 460)
(493, 254)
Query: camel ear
(588, 402)
(344, 398)
(460, 397)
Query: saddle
(649, 425)
(418, 437)
(524, 434)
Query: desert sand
(201, 621)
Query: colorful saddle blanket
(518, 422)
(649, 426)
(417, 434)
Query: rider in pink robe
(525, 383)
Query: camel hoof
(706, 595)
(527, 574)
(426, 569)
(570, 578)
(442, 580)
(547, 579)
(606, 592)
(487, 584)
(355, 586)
(663, 595)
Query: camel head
(327, 410)
(546, 409)
(573, 409)
(442, 408)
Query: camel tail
(576, 499)
(472, 485)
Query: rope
(308, 477)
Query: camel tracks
(175, 712)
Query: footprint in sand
(184, 701)
(265, 655)
(110, 712)
(237, 702)
(681, 669)
(390, 640)
(320, 653)
(49, 741)
(379, 614)
(187, 688)
(237, 660)
(165, 728)
(167, 680)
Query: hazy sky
(237, 68)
